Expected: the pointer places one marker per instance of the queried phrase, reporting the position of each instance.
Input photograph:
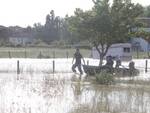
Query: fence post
(40, 55)
(18, 69)
(53, 54)
(67, 54)
(25, 54)
(146, 65)
(9, 54)
(87, 62)
(137, 52)
(53, 66)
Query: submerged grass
(105, 78)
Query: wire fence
(56, 65)
(41, 52)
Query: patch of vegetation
(105, 78)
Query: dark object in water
(92, 70)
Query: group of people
(109, 62)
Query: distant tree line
(55, 28)
(106, 24)
(103, 20)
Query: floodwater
(37, 90)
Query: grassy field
(140, 55)
(41, 52)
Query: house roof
(22, 35)
(118, 45)
(145, 20)
(121, 45)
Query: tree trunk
(148, 54)
(137, 53)
(101, 60)
(101, 52)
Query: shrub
(105, 78)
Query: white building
(20, 40)
(143, 44)
(119, 50)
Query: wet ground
(39, 91)
(68, 93)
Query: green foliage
(55, 28)
(105, 78)
(105, 24)
(147, 11)
(4, 33)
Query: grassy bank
(48, 52)
(36, 52)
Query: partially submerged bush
(105, 78)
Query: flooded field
(37, 90)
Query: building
(20, 36)
(20, 41)
(119, 50)
(145, 21)
(140, 44)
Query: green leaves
(106, 24)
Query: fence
(61, 65)
(45, 52)
(40, 52)
(18, 66)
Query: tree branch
(96, 46)
(107, 47)
(94, 1)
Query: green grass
(33, 52)
(140, 55)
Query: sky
(28, 12)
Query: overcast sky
(27, 12)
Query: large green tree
(146, 11)
(145, 35)
(106, 24)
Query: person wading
(77, 57)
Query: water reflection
(68, 93)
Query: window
(126, 49)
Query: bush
(105, 78)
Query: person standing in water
(77, 57)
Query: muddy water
(68, 93)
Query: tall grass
(105, 78)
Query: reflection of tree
(111, 99)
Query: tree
(52, 27)
(74, 23)
(64, 31)
(4, 35)
(38, 31)
(52, 30)
(146, 35)
(4, 32)
(147, 11)
(106, 24)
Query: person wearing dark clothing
(131, 68)
(109, 61)
(77, 57)
(118, 62)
